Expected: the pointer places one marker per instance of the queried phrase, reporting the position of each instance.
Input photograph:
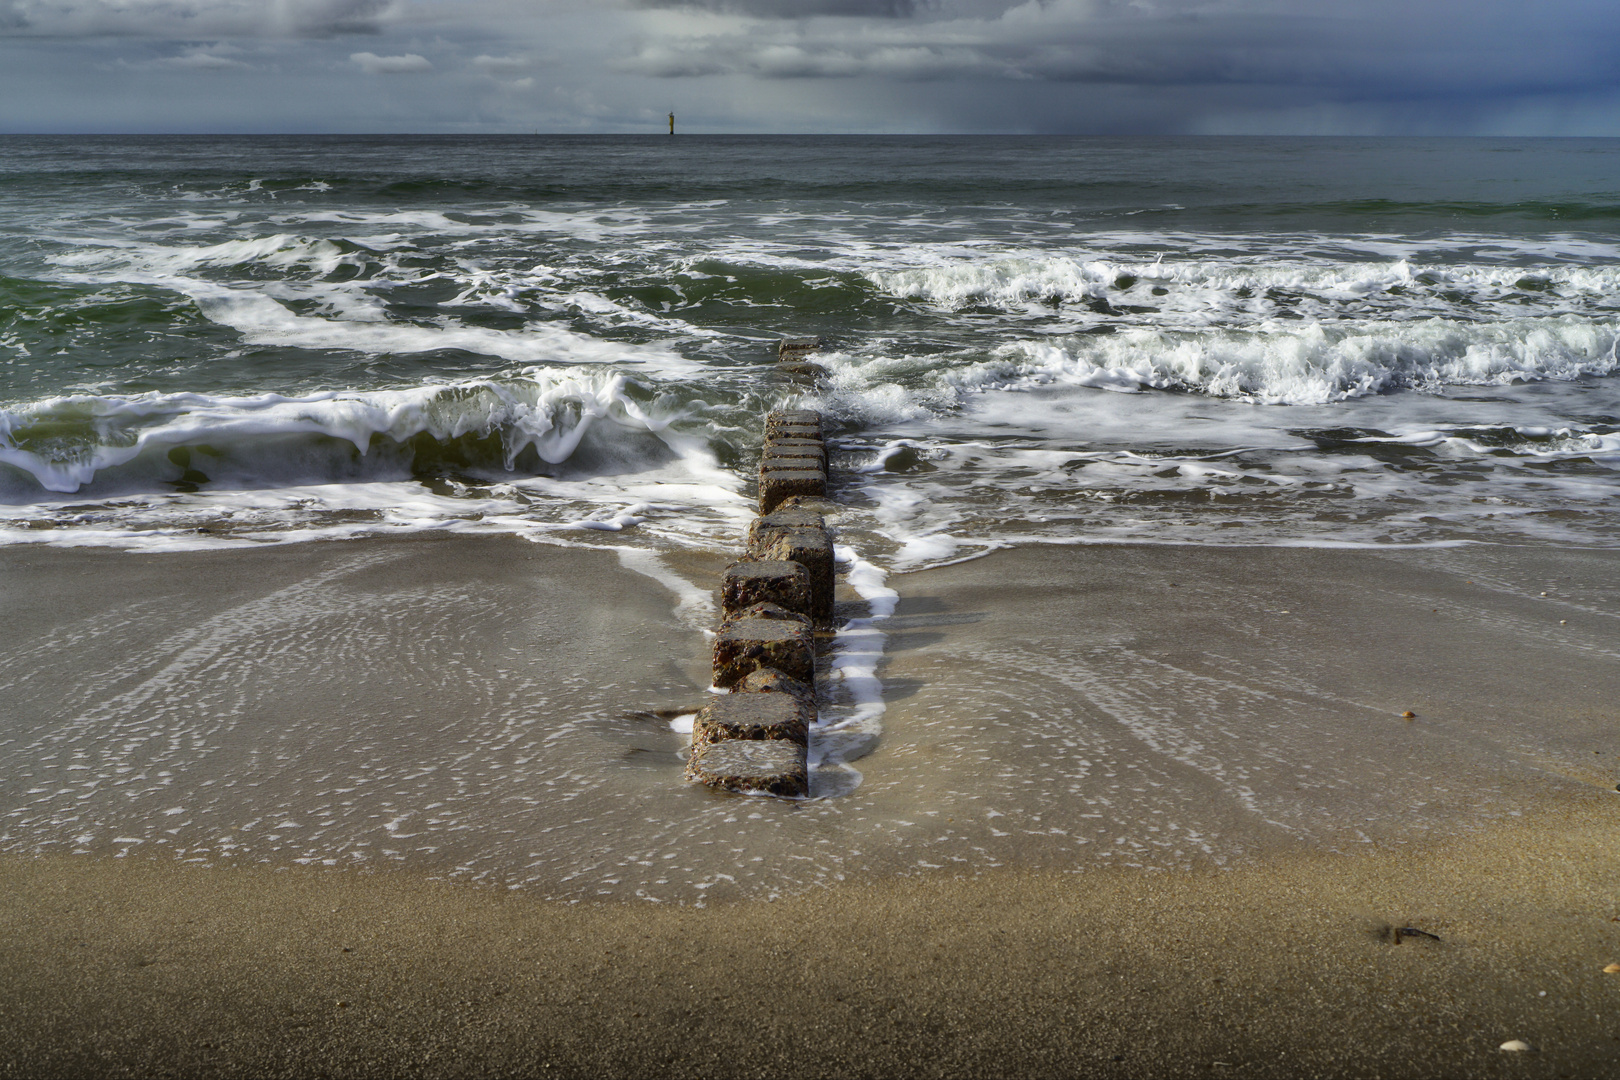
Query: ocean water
(216, 343)
(210, 341)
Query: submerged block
(744, 646)
(810, 548)
(794, 347)
(771, 766)
(784, 519)
(752, 716)
(777, 485)
(765, 581)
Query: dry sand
(1135, 811)
(1287, 969)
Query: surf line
(777, 605)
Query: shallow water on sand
(492, 711)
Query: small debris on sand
(1408, 715)
(1516, 1046)
(1612, 969)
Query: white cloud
(205, 58)
(500, 64)
(408, 64)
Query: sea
(306, 345)
(216, 341)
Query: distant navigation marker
(672, 123)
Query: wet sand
(1134, 811)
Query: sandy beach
(384, 807)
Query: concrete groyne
(755, 738)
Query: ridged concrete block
(768, 766)
(784, 519)
(778, 485)
(746, 645)
(811, 432)
(771, 681)
(810, 548)
(752, 716)
(765, 581)
(802, 456)
(789, 442)
(793, 424)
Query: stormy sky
(1083, 66)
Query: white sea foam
(355, 317)
(1271, 363)
(851, 728)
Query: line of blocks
(755, 738)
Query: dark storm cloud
(1374, 47)
(796, 9)
(1116, 66)
(193, 19)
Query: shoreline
(1135, 811)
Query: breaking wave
(536, 420)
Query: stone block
(744, 646)
(777, 485)
(771, 681)
(804, 443)
(793, 423)
(767, 610)
(798, 456)
(768, 766)
(792, 416)
(764, 581)
(810, 548)
(794, 518)
(794, 431)
(752, 716)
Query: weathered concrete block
(752, 716)
(796, 424)
(746, 645)
(794, 431)
(764, 581)
(784, 519)
(768, 610)
(771, 681)
(777, 456)
(806, 445)
(792, 416)
(810, 548)
(776, 485)
(771, 766)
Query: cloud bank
(1141, 66)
